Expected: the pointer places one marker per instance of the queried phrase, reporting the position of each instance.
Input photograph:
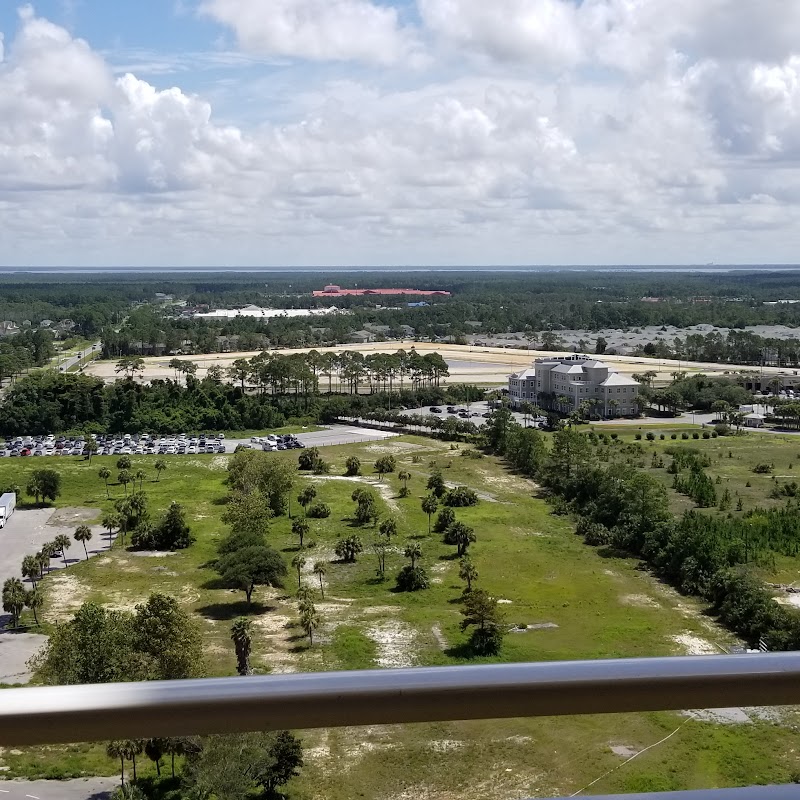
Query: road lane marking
(32, 796)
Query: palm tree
(110, 521)
(140, 476)
(105, 474)
(34, 601)
(405, 477)
(319, 571)
(309, 620)
(467, 572)
(429, 506)
(14, 595)
(160, 466)
(83, 534)
(125, 478)
(414, 552)
(388, 528)
(306, 497)
(298, 562)
(91, 448)
(300, 527)
(43, 560)
(123, 462)
(30, 569)
(129, 791)
(242, 642)
(117, 749)
(63, 543)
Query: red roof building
(331, 290)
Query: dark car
(436, 410)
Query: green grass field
(594, 607)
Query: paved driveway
(81, 789)
(25, 533)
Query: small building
(754, 420)
(361, 337)
(8, 328)
(46, 323)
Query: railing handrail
(56, 714)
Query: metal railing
(59, 714)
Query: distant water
(492, 270)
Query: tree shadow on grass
(450, 557)
(237, 608)
(215, 583)
(419, 536)
(300, 648)
(461, 651)
(220, 501)
(608, 551)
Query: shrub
(444, 519)
(352, 466)
(662, 436)
(416, 459)
(404, 492)
(684, 435)
(385, 464)
(695, 435)
(638, 437)
(461, 497)
(308, 459)
(706, 434)
(762, 469)
(319, 511)
(650, 436)
(673, 436)
(322, 467)
(412, 579)
(615, 436)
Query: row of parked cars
(114, 444)
(146, 444)
(43, 446)
(461, 412)
(273, 442)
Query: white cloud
(322, 30)
(659, 141)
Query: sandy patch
(384, 490)
(72, 517)
(526, 532)
(396, 644)
(152, 553)
(720, 716)
(789, 600)
(504, 602)
(390, 447)
(445, 745)
(695, 645)
(623, 750)
(439, 636)
(272, 640)
(65, 594)
(640, 600)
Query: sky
(242, 133)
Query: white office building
(564, 384)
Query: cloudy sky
(378, 132)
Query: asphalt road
(81, 789)
(331, 435)
(25, 532)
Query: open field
(485, 366)
(575, 604)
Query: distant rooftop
(332, 290)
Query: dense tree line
(623, 508)
(48, 401)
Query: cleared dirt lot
(468, 364)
